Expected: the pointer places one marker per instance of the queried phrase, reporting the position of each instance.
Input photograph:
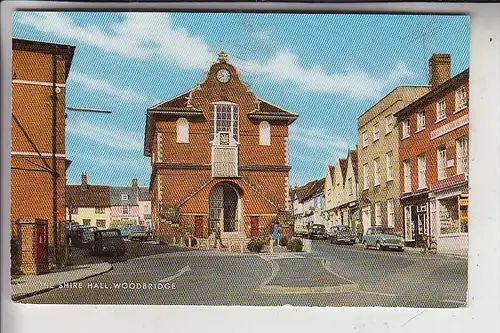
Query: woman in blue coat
(276, 234)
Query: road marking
(452, 301)
(270, 257)
(377, 293)
(328, 266)
(181, 271)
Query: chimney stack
(439, 69)
(84, 180)
(134, 183)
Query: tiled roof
(87, 196)
(354, 161)
(332, 173)
(343, 167)
(144, 194)
(309, 190)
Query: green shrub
(255, 245)
(283, 241)
(295, 245)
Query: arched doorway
(224, 207)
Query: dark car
(317, 231)
(108, 241)
(342, 234)
(82, 236)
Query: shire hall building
(219, 158)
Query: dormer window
(224, 117)
(124, 197)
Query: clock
(223, 75)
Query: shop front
(416, 218)
(449, 218)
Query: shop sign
(464, 120)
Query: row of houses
(409, 169)
(106, 206)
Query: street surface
(331, 275)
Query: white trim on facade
(28, 153)
(39, 83)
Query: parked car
(82, 236)
(124, 230)
(301, 232)
(342, 234)
(318, 231)
(107, 241)
(382, 238)
(138, 232)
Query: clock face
(223, 75)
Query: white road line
(328, 266)
(181, 271)
(452, 301)
(377, 293)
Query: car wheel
(377, 246)
(331, 240)
(365, 244)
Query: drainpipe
(54, 161)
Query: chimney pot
(134, 182)
(439, 69)
(84, 180)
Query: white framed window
(420, 121)
(461, 101)
(366, 185)
(124, 197)
(422, 177)
(406, 128)
(74, 210)
(376, 132)
(462, 156)
(264, 133)
(378, 214)
(441, 162)
(99, 210)
(440, 110)
(388, 166)
(409, 227)
(388, 124)
(100, 223)
(224, 117)
(182, 130)
(376, 171)
(390, 213)
(407, 175)
(364, 137)
(86, 222)
(124, 210)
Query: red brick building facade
(39, 73)
(219, 157)
(433, 157)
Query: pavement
(330, 275)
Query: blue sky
(328, 68)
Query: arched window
(182, 130)
(264, 133)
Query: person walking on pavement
(276, 234)
(218, 237)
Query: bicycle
(430, 245)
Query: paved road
(331, 275)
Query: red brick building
(433, 157)
(39, 73)
(219, 158)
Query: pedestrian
(218, 237)
(276, 234)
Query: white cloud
(317, 139)
(264, 35)
(99, 85)
(111, 137)
(285, 67)
(139, 36)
